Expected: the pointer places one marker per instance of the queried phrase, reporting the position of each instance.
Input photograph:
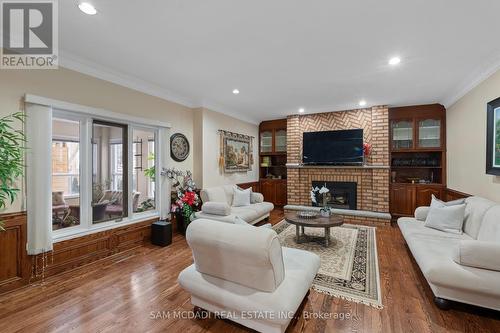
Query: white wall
(466, 141)
(211, 123)
(197, 146)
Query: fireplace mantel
(302, 166)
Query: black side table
(161, 233)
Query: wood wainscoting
(79, 251)
(16, 266)
(454, 195)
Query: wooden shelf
(272, 137)
(416, 167)
(422, 184)
(273, 154)
(416, 150)
(406, 196)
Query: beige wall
(211, 123)
(197, 146)
(73, 87)
(466, 141)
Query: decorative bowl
(307, 214)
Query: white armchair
(246, 275)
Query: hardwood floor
(123, 293)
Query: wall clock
(179, 147)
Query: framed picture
(493, 138)
(236, 154)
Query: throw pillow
(58, 198)
(241, 197)
(448, 203)
(445, 218)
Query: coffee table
(317, 222)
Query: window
(65, 173)
(151, 167)
(109, 173)
(103, 172)
(143, 190)
(79, 161)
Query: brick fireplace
(372, 179)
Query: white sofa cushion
(410, 226)
(478, 254)
(435, 259)
(422, 212)
(476, 208)
(252, 259)
(490, 227)
(241, 197)
(257, 198)
(216, 208)
(445, 218)
(300, 269)
(214, 194)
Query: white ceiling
(323, 55)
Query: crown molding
(221, 109)
(75, 63)
(472, 82)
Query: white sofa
(459, 267)
(246, 277)
(218, 201)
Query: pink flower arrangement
(367, 149)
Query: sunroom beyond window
(109, 175)
(65, 173)
(103, 172)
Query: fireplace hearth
(342, 195)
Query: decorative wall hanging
(236, 152)
(493, 138)
(179, 147)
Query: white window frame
(86, 117)
(152, 192)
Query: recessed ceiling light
(236, 91)
(362, 102)
(302, 110)
(87, 8)
(394, 61)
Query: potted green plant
(151, 171)
(12, 145)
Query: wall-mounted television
(333, 147)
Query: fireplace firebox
(341, 195)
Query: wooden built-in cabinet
(274, 190)
(272, 161)
(405, 198)
(417, 145)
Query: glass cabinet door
(280, 141)
(429, 133)
(402, 134)
(266, 142)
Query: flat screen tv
(333, 147)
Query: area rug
(349, 267)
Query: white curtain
(164, 182)
(38, 177)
